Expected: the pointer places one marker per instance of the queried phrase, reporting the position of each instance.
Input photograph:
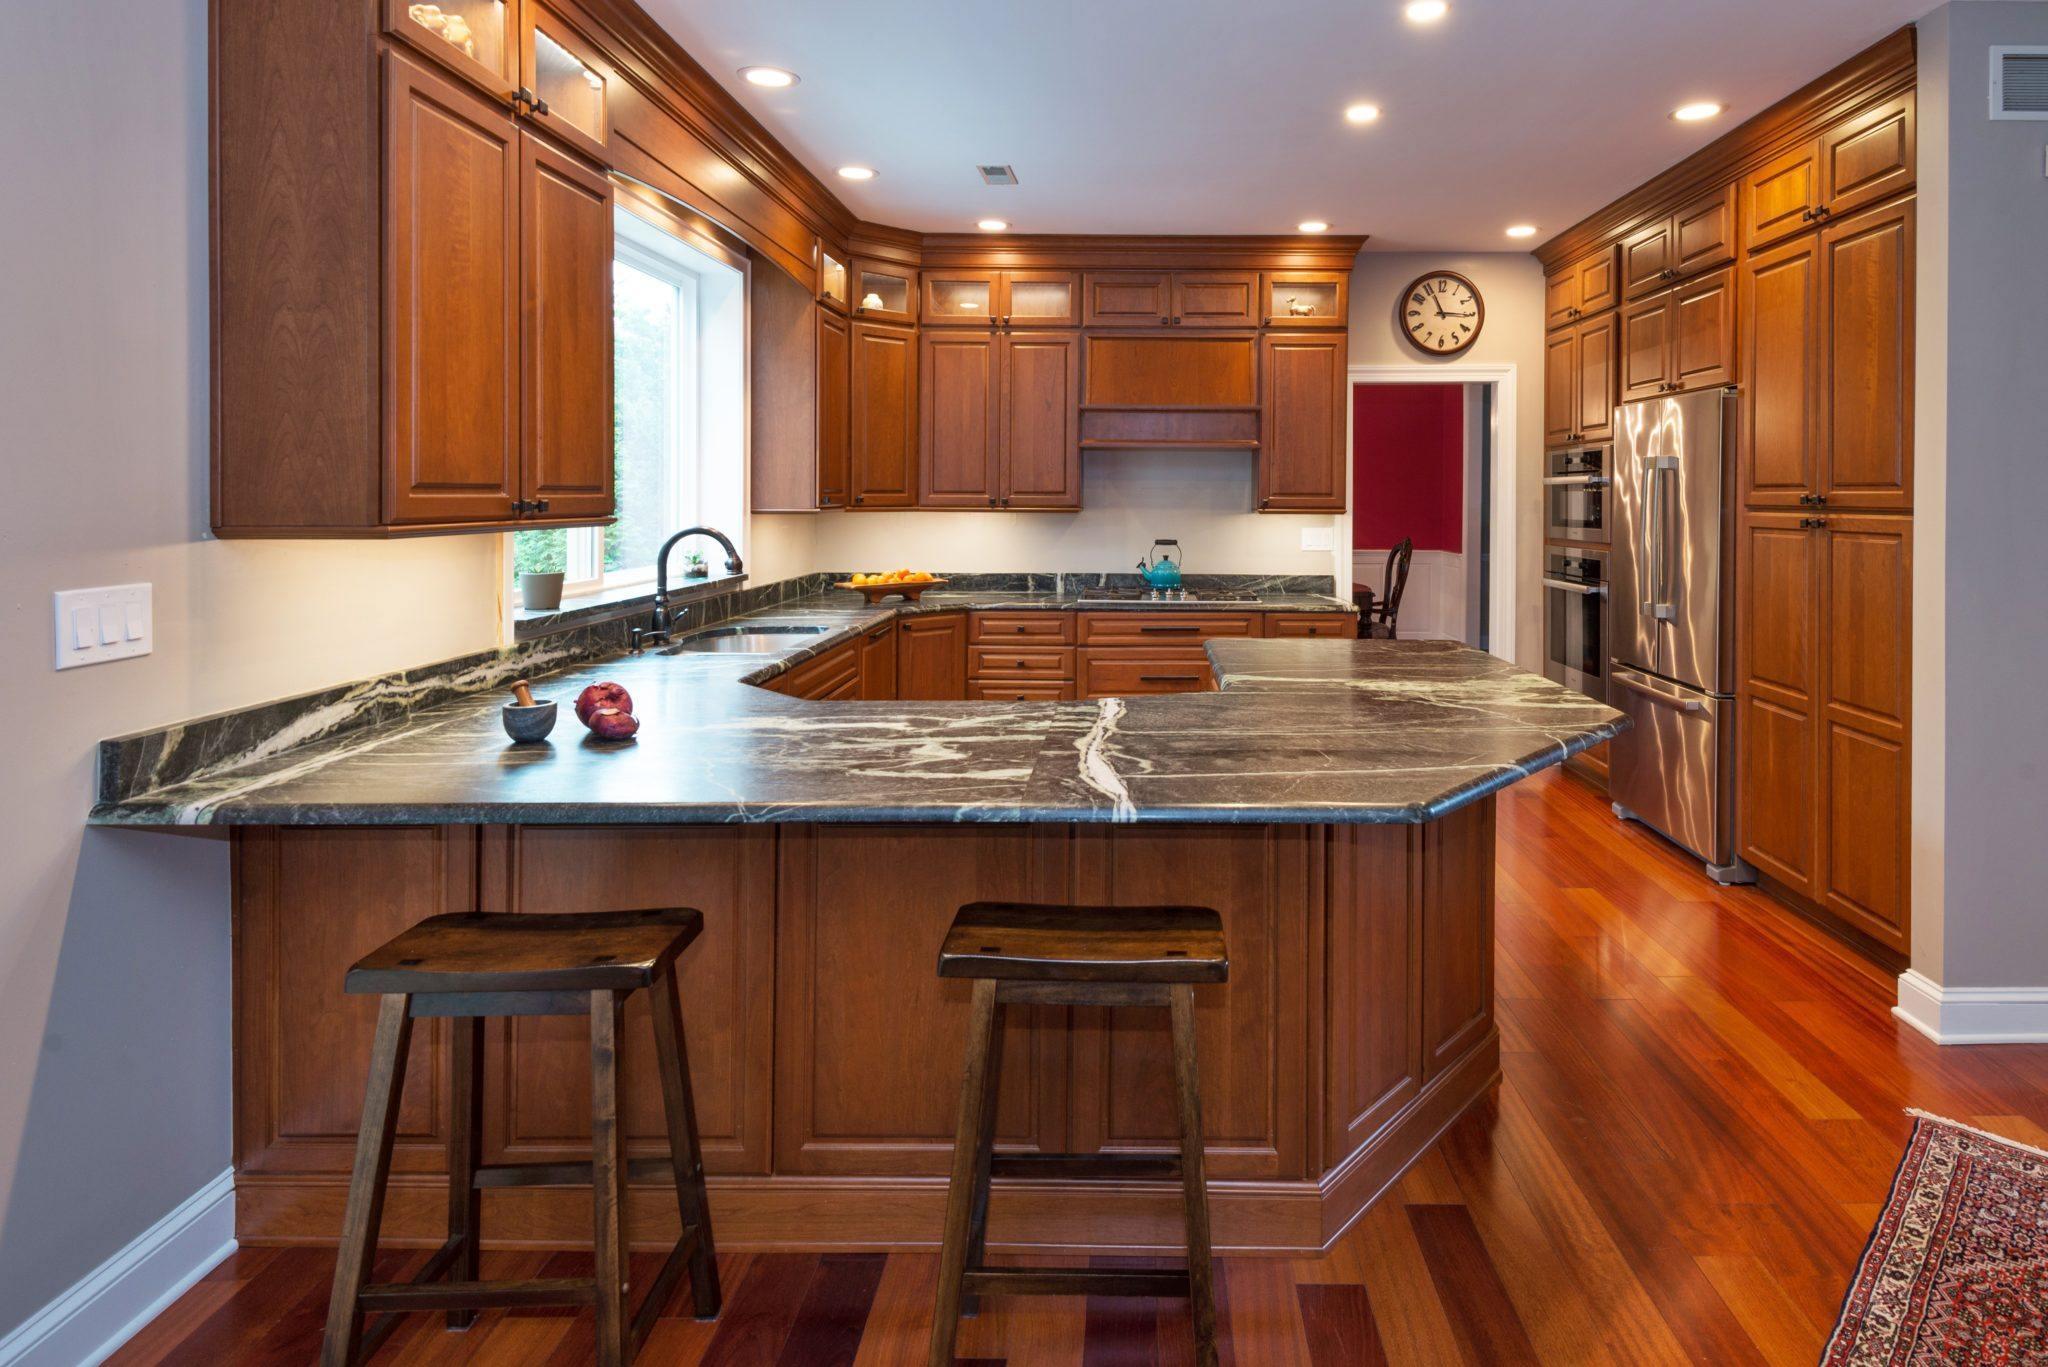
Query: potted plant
(694, 567)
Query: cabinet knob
(1164, 321)
(540, 505)
(1821, 499)
(857, 498)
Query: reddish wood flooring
(1701, 1116)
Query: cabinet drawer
(1003, 662)
(996, 690)
(1165, 629)
(1123, 673)
(1332, 624)
(1034, 627)
(826, 676)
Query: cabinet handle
(1822, 212)
(1164, 322)
(859, 497)
(1169, 678)
(541, 505)
(1166, 631)
(1821, 500)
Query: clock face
(1442, 313)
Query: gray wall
(1982, 553)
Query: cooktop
(1114, 595)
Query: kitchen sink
(748, 640)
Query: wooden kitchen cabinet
(1579, 367)
(565, 83)
(1307, 299)
(1824, 662)
(566, 341)
(877, 649)
(931, 657)
(1302, 457)
(959, 398)
(833, 282)
(1589, 285)
(1317, 625)
(1171, 299)
(998, 298)
(884, 292)
(882, 416)
(484, 50)
(1697, 236)
(1038, 433)
(1679, 339)
(1866, 158)
(1778, 314)
(834, 407)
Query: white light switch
(1319, 538)
(95, 625)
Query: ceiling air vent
(997, 175)
(2019, 83)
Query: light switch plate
(1319, 538)
(97, 625)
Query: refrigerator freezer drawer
(1672, 770)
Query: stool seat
(1023, 941)
(466, 952)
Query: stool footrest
(1051, 1166)
(1074, 1281)
(478, 1295)
(566, 1174)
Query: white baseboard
(1970, 1015)
(104, 1310)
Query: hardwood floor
(1702, 1111)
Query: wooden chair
(1074, 956)
(1378, 617)
(472, 966)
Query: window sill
(609, 605)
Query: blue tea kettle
(1161, 567)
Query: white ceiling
(1199, 116)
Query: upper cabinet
(564, 85)
(475, 39)
(884, 292)
(882, 417)
(1680, 338)
(1302, 463)
(1307, 299)
(1201, 299)
(1579, 364)
(832, 278)
(1581, 288)
(992, 298)
(1860, 161)
(1699, 236)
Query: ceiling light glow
(1426, 11)
(992, 225)
(1695, 112)
(856, 173)
(1522, 230)
(1361, 113)
(1314, 225)
(770, 77)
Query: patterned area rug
(1957, 1269)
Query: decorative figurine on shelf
(1297, 309)
(694, 567)
(871, 300)
(452, 27)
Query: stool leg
(1195, 1191)
(685, 1149)
(607, 1178)
(984, 1156)
(366, 1183)
(974, 1099)
(465, 1130)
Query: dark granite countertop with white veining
(1300, 731)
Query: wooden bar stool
(1074, 956)
(487, 964)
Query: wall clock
(1441, 313)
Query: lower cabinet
(1825, 702)
(931, 656)
(878, 663)
(1124, 654)
(1309, 625)
(834, 675)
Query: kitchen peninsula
(1333, 799)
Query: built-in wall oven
(1575, 619)
(1576, 480)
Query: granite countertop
(1301, 730)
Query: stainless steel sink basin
(749, 640)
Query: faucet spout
(658, 629)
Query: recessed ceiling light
(1361, 113)
(856, 173)
(1314, 225)
(992, 225)
(1522, 230)
(1694, 113)
(1426, 11)
(773, 77)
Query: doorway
(1431, 460)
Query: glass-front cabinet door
(884, 292)
(472, 38)
(831, 279)
(1040, 299)
(960, 297)
(564, 83)
(1305, 299)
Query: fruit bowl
(911, 589)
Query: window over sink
(679, 414)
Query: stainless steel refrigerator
(1672, 667)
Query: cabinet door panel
(1779, 664)
(878, 664)
(1373, 960)
(1561, 298)
(1646, 347)
(571, 81)
(1599, 278)
(835, 346)
(931, 657)
(1866, 410)
(1866, 834)
(1703, 232)
(957, 442)
(566, 342)
(451, 302)
(1042, 299)
(1301, 438)
(883, 429)
(1251, 1033)
(1868, 158)
(1869, 619)
(961, 297)
(1129, 298)
(1560, 386)
(1040, 431)
(1646, 259)
(1703, 332)
(1595, 383)
(484, 51)
(1457, 935)
(1215, 299)
(1778, 198)
(1778, 298)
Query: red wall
(1408, 465)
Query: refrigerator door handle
(1661, 607)
(1644, 686)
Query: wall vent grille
(998, 175)
(2019, 82)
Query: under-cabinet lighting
(773, 77)
(1696, 112)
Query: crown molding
(1878, 72)
(1106, 251)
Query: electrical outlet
(1319, 538)
(97, 625)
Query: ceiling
(1200, 116)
